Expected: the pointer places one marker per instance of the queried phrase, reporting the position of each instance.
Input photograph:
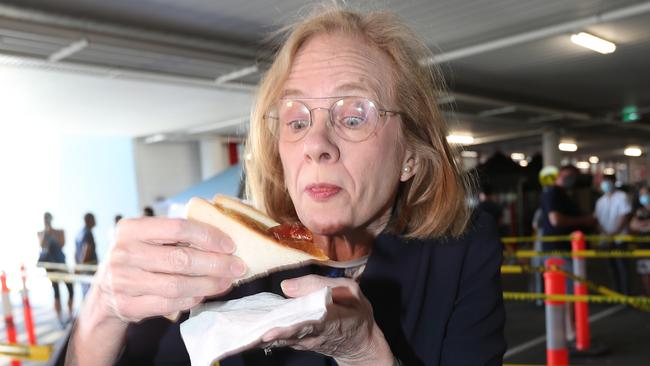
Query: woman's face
(338, 186)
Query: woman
(357, 152)
(52, 241)
(640, 225)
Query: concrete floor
(622, 329)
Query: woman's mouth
(322, 191)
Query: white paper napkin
(218, 329)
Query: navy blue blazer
(438, 302)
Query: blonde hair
(433, 202)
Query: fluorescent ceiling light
(593, 43)
(584, 165)
(567, 146)
(237, 74)
(516, 156)
(68, 51)
(632, 151)
(594, 159)
(523, 163)
(155, 138)
(609, 171)
(469, 154)
(460, 139)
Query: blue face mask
(606, 186)
(644, 199)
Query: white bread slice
(261, 252)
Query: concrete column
(214, 156)
(550, 151)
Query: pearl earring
(406, 169)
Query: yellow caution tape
(26, 352)
(636, 253)
(603, 290)
(512, 269)
(594, 238)
(66, 268)
(640, 301)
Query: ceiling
(175, 66)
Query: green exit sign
(630, 113)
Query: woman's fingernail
(228, 245)
(237, 268)
(288, 285)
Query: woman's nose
(320, 143)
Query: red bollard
(583, 337)
(557, 353)
(9, 318)
(27, 309)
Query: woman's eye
(298, 125)
(353, 122)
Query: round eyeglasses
(352, 118)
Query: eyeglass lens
(352, 118)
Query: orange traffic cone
(27, 309)
(9, 318)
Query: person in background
(640, 225)
(86, 251)
(547, 179)
(562, 216)
(148, 212)
(52, 241)
(488, 203)
(613, 213)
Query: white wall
(98, 176)
(165, 169)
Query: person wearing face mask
(613, 214)
(640, 225)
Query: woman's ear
(409, 167)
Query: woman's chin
(325, 228)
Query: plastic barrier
(66, 268)
(69, 277)
(9, 317)
(26, 352)
(557, 353)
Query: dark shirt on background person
(556, 201)
(86, 250)
(87, 239)
(488, 203)
(491, 208)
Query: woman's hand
(349, 333)
(160, 266)
(157, 266)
